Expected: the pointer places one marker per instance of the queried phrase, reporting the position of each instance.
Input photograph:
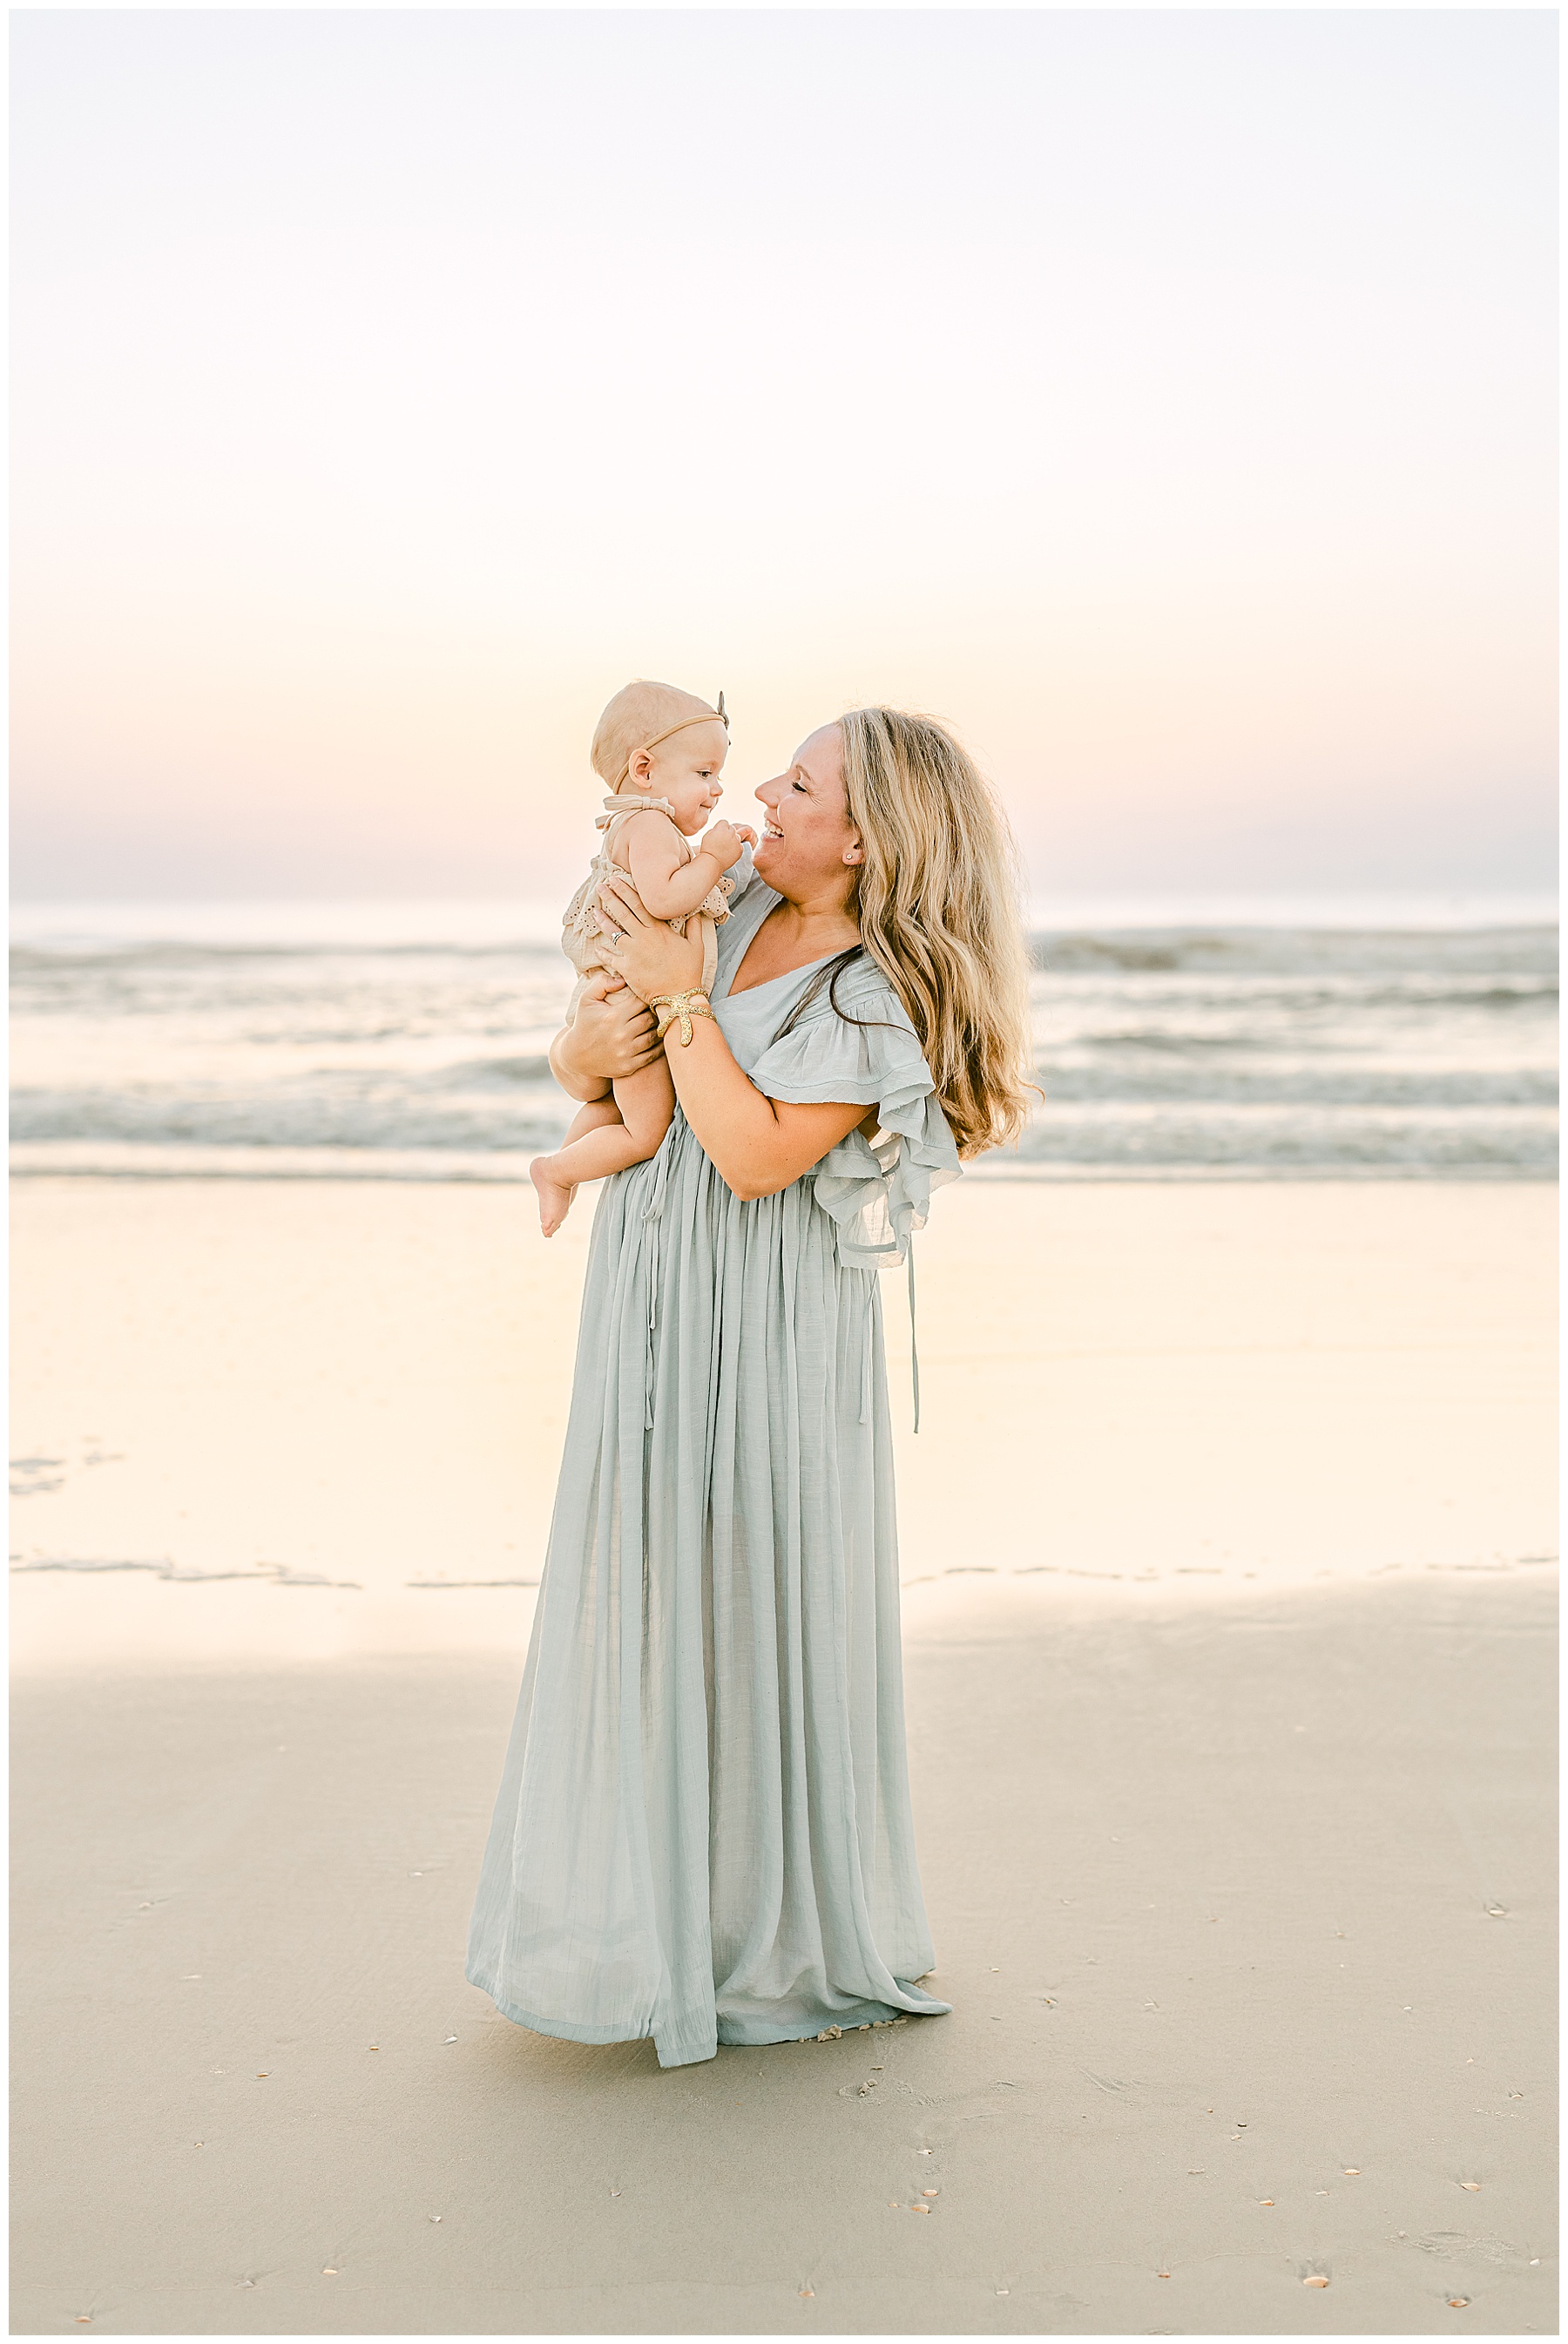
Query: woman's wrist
(680, 1008)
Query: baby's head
(654, 742)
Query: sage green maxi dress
(703, 1832)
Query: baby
(661, 751)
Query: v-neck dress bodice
(863, 1051)
(703, 1830)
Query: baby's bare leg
(590, 1117)
(554, 1188)
(644, 1103)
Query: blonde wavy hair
(939, 908)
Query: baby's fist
(723, 842)
(745, 834)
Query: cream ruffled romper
(580, 939)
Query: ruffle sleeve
(877, 1192)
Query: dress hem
(731, 2032)
(859, 2015)
(565, 2029)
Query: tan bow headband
(713, 716)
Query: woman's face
(808, 841)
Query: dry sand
(1241, 1885)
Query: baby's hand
(745, 834)
(724, 843)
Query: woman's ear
(855, 851)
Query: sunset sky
(1165, 398)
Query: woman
(703, 1832)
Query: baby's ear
(640, 768)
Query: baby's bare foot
(555, 1196)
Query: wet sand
(320, 1416)
(1241, 1886)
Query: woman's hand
(645, 952)
(612, 1036)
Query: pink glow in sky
(1166, 399)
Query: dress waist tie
(914, 1354)
(651, 1216)
(866, 1346)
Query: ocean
(1350, 1038)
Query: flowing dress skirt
(703, 1832)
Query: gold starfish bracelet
(684, 1007)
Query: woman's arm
(613, 1035)
(757, 1146)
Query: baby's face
(686, 770)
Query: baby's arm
(670, 886)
